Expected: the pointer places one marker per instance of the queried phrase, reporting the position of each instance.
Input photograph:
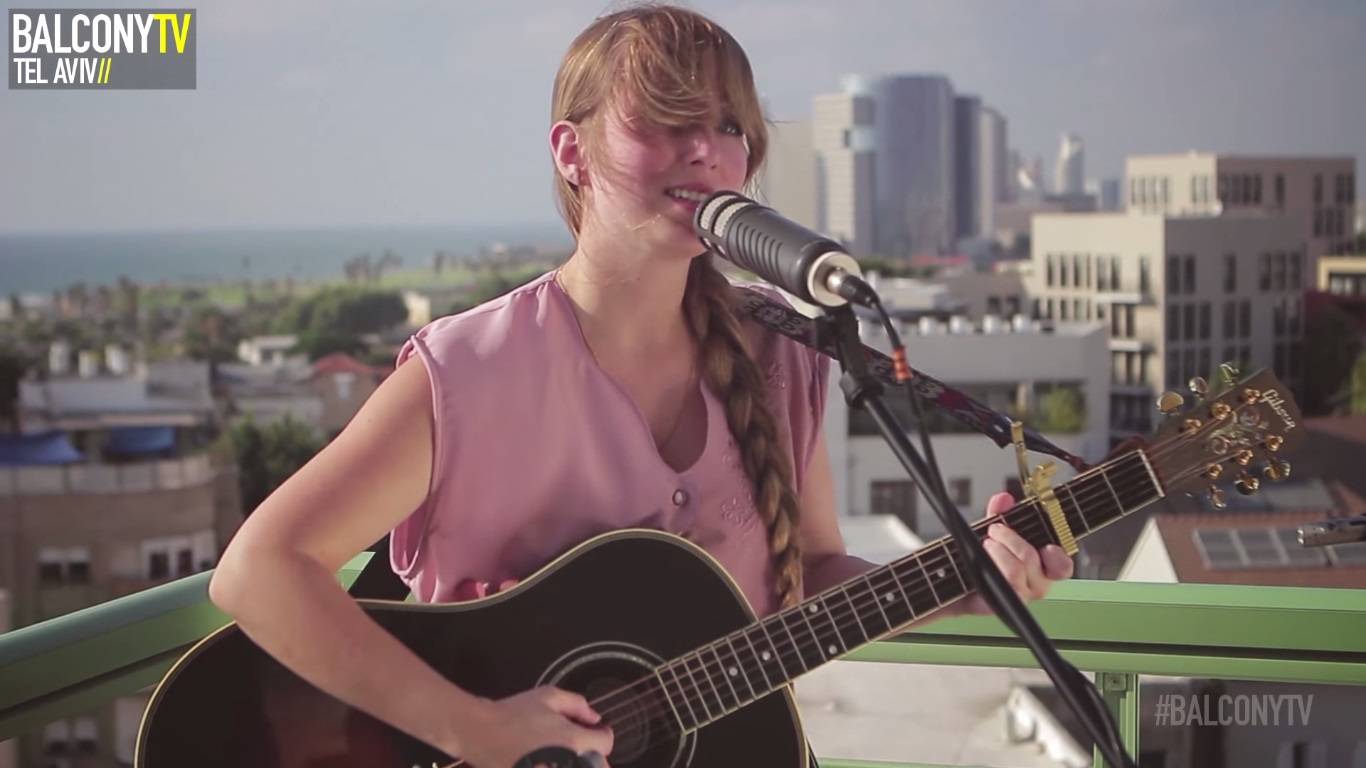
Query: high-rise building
(967, 165)
(907, 123)
(1070, 178)
(994, 187)
(1180, 296)
(842, 136)
(787, 180)
(1318, 192)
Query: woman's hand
(509, 729)
(1031, 572)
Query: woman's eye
(731, 127)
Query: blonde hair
(668, 64)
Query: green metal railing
(75, 663)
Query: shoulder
(502, 325)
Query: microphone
(757, 238)
(1343, 530)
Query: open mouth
(690, 195)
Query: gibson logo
(1273, 398)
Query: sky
(333, 113)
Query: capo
(1036, 483)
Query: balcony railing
(167, 474)
(76, 663)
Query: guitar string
(1032, 524)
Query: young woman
(617, 391)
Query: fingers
(1056, 564)
(575, 707)
(1018, 560)
(571, 705)
(999, 503)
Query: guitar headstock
(1238, 434)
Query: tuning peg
(1230, 374)
(1214, 470)
(1247, 484)
(1274, 442)
(1217, 498)
(1243, 457)
(1276, 470)
(1220, 411)
(1251, 396)
(1198, 386)
(1170, 402)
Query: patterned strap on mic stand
(802, 329)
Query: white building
(787, 180)
(1070, 171)
(1008, 366)
(842, 136)
(1317, 192)
(270, 350)
(1179, 295)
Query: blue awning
(37, 449)
(140, 441)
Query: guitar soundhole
(619, 681)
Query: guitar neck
(712, 681)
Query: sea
(42, 263)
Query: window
(1245, 319)
(1278, 281)
(1188, 323)
(1173, 322)
(1265, 278)
(1230, 272)
(1115, 282)
(993, 305)
(1143, 285)
(63, 565)
(893, 497)
(1280, 191)
(1062, 270)
(1223, 188)
(1257, 189)
(1173, 369)
(158, 565)
(1204, 321)
(1230, 320)
(1205, 368)
(1049, 266)
(1189, 359)
(1102, 274)
(1278, 358)
(1173, 275)
(960, 490)
(1318, 189)
(1189, 282)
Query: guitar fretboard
(719, 678)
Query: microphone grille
(717, 213)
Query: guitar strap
(780, 318)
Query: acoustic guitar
(661, 641)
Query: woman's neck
(629, 304)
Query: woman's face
(645, 162)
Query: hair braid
(734, 376)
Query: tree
(1331, 346)
(334, 319)
(1358, 404)
(12, 368)
(1061, 410)
(211, 335)
(267, 456)
(493, 285)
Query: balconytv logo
(94, 49)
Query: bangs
(676, 71)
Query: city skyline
(420, 115)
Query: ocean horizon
(44, 262)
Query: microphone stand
(862, 389)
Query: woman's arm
(277, 577)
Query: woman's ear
(568, 152)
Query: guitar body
(595, 620)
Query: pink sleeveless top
(537, 449)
